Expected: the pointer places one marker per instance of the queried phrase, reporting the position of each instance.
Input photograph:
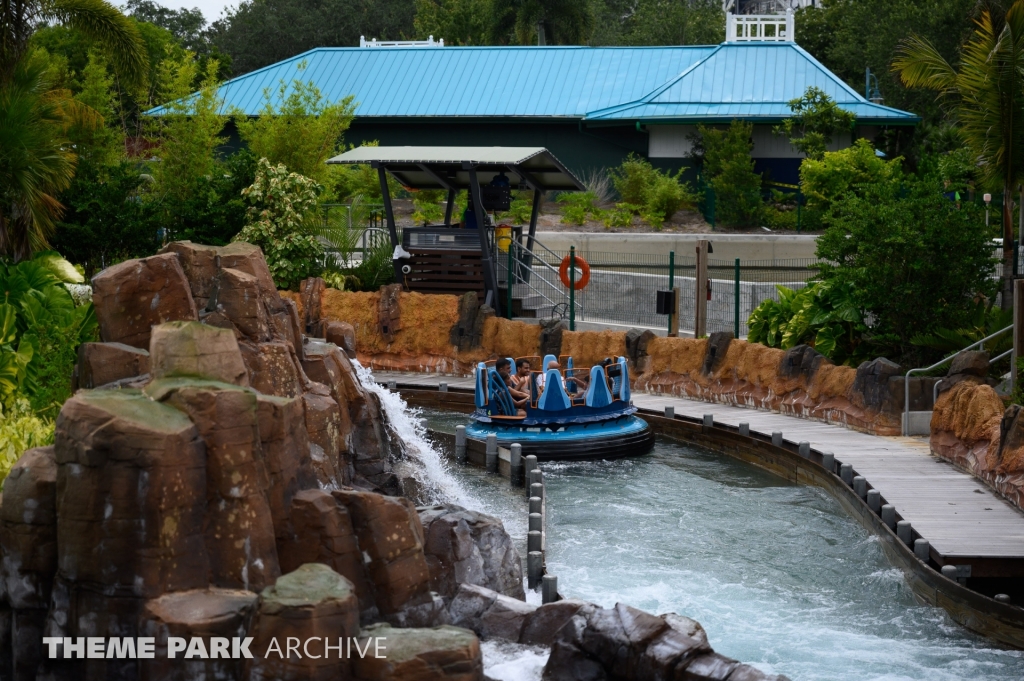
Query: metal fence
(623, 287)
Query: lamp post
(988, 200)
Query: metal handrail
(906, 379)
(935, 388)
(530, 287)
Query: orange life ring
(563, 273)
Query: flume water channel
(778, 574)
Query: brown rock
(237, 296)
(551, 337)
(273, 368)
(324, 534)
(285, 445)
(709, 667)
(214, 615)
(343, 335)
(391, 535)
(28, 537)
(802, 362)
(542, 626)
(312, 291)
(466, 547)
(102, 363)
(489, 614)
(179, 349)
(131, 496)
(440, 654)
(239, 529)
(199, 263)
(135, 295)
(973, 363)
(311, 602)
(247, 258)
(389, 314)
(715, 350)
(324, 425)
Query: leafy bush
(652, 193)
(822, 315)
(620, 216)
(280, 222)
(577, 206)
(913, 260)
(521, 208)
(428, 205)
(730, 172)
(21, 430)
(985, 318)
(40, 330)
(855, 169)
(816, 118)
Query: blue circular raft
(627, 435)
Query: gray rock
(466, 547)
(717, 346)
(505, 619)
(972, 363)
(551, 336)
(802, 360)
(431, 613)
(469, 605)
(543, 624)
(871, 385)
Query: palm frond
(919, 64)
(104, 22)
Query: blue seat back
(480, 389)
(554, 397)
(598, 394)
(501, 399)
(548, 359)
(623, 391)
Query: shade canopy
(449, 167)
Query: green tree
(987, 95)
(279, 220)
(541, 22)
(675, 22)
(298, 127)
(913, 261)
(261, 32)
(838, 173)
(458, 22)
(730, 172)
(816, 118)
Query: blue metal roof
(732, 80)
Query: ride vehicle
(568, 414)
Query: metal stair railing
(935, 389)
(523, 262)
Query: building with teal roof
(591, 106)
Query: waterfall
(429, 467)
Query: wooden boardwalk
(962, 518)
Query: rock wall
(973, 428)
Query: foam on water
(505, 661)
(430, 469)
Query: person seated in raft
(581, 383)
(519, 398)
(521, 378)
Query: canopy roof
(449, 167)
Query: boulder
(972, 363)
(237, 296)
(714, 351)
(636, 346)
(311, 602)
(102, 363)
(466, 547)
(442, 653)
(467, 333)
(273, 368)
(343, 335)
(239, 529)
(133, 296)
(197, 350)
(871, 385)
(311, 291)
(489, 614)
(199, 263)
(708, 667)
(285, 445)
(323, 533)
(214, 615)
(551, 336)
(28, 534)
(802, 361)
(247, 258)
(325, 428)
(131, 499)
(391, 536)
(541, 626)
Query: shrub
(577, 206)
(854, 169)
(280, 222)
(521, 208)
(633, 179)
(428, 205)
(730, 172)
(816, 118)
(654, 194)
(21, 430)
(620, 216)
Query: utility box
(666, 303)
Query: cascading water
(428, 466)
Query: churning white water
(778, 574)
(429, 467)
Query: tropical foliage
(729, 169)
(282, 206)
(816, 120)
(656, 195)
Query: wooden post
(1018, 329)
(700, 308)
(673, 319)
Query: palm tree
(36, 158)
(987, 94)
(558, 22)
(98, 19)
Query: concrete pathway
(962, 518)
